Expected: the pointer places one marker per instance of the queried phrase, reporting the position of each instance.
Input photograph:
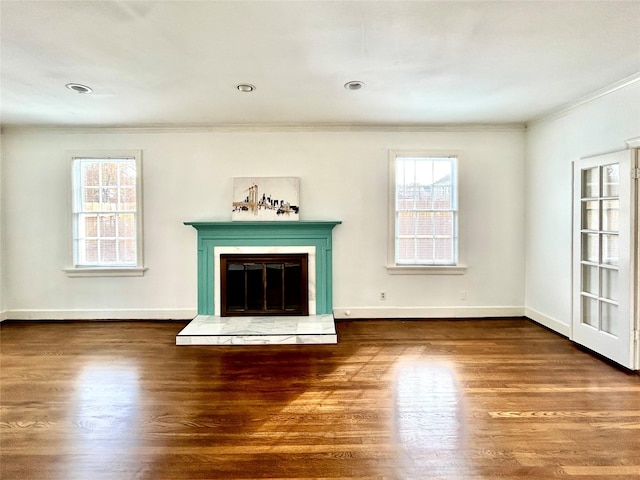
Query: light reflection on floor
(107, 396)
(429, 417)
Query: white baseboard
(427, 312)
(139, 314)
(338, 313)
(549, 322)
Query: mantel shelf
(297, 225)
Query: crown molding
(564, 109)
(633, 142)
(263, 128)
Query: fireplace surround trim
(265, 234)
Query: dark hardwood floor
(460, 399)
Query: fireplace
(313, 238)
(263, 246)
(264, 284)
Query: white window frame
(115, 270)
(393, 268)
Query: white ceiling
(423, 62)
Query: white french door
(604, 256)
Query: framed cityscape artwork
(266, 199)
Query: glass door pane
(590, 311)
(610, 215)
(236, 288)
(590, 215)
(590, 279)
(274, 281)
(293, 286)
(608, 315)
(590, 247)
(610, 180)
(609, 282)
(255, 286)
(590, 183)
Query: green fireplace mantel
(265, 234)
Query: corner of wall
(549, 322)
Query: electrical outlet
(383, 295)
(463, 294)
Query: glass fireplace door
(256, 284)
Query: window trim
(105, 270)
(459, 268)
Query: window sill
(104, 271)
(426, 269)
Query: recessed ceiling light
(76, 87)
(354, 85)
(245, 87)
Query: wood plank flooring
(436, 399)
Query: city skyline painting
(266, 199)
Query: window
(423, 213)
(106, 210)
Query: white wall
(188, 175)
(2, 269)
(599, 126)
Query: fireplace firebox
(258, 284)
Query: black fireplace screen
(259, 284)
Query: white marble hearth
(262, 330)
